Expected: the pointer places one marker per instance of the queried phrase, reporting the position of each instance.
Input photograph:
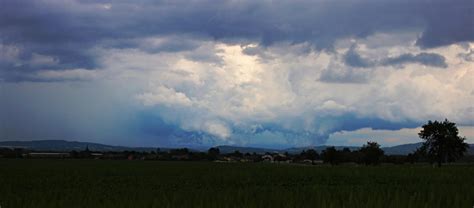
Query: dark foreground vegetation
(113, 183)
(365, 177)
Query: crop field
(102, 183)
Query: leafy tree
(347, 155)
(182, 151)
(74, 154)
(237, 154)
(213, 153)
(331, 155)
(310, 154)
(419, 155)
(441, 142)
(371, 153)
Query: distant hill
(230, 149)
(318, 148)
(295, 150)
(62, 145)
(403, 149)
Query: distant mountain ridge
(63, 145)
(319, 148)
(403, 149)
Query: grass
(100, 183)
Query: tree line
(442, 144)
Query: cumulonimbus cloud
(242, 72)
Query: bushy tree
(331, 155)
(347, 155)
(310, 154)
(371, 153)
(237, 154)
(442, 143)
(213, 153)
(181, 151)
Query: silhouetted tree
(347, 155)
(181, 151)
(12, 153)
(442, 142)
(237, 154)
(213, 153)
(310, 154)
(371, 153)
(74, 154)
(331, 155)
(85, 153)
(395, 159)
(417, 156)
(256, 157)
(196, 156)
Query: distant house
(229, 159)
(280, 157)
(267, 158)
(97, 155)
(312, 161)
(317, 162)
(307, 161)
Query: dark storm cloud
(352, 58)
(70, 30)
(357, 68)
(343, 76)
(448, 22)
(428, 59)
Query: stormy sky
(248, 73)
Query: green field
(100, 183)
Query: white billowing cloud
(164, 96)
(283, 85)
(334, 108)
(238, 93)
(383, 137)
(217, 129)
(422, 94)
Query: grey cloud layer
(69, 31)
(429, 59)
(353, 59)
